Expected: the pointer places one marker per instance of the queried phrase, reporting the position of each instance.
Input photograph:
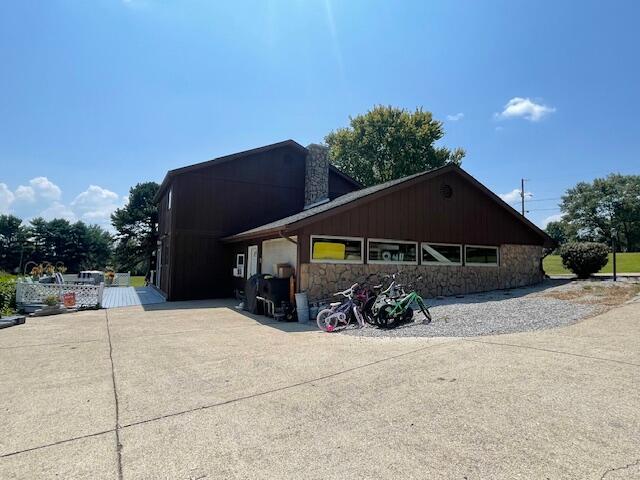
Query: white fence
(36, 293)
(122, 279)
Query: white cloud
(551, 218)
(6, 198)
(513, 196)
(455, 117)
(40, 189)
(526, 108)
(43, 198)
(45, 188)
(96, 204)
(57, 210)
(25, 194)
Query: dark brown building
(224, 220)
(441, 225)
(200, 204)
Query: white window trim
(169, 200)
(334, 237)
(473, 264)
(451, 264)
(388, 240)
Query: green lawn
(137, 281)
(626, 263)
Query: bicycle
(381, 298)
(341, 314)
(398, 309)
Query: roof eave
(218, 160)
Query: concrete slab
(207, 392)
(92, 458)
(52, 393)
(459, 410)
(217, 354)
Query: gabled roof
(234, 156)
(355, 198)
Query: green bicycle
(399, 309)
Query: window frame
(244, 264)
(336, 237)
(474, 264)
(388, 240)
(169, 198)
(458, 264)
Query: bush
(584, 258)
(7, 296)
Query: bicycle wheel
(367, 311)
(385, 318)
(423, 314)
(326, 321)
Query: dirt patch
(605, 294)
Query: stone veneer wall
(519, 266)
(316, 181)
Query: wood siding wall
(227, 198)
(338, 185)
(165, 227)
(422, 213)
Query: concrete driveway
(200, 391)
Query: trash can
(302, 307)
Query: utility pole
(522, 180)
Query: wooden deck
(115, 297)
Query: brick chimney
(316, 179)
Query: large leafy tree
(388, 143)
(593, 210)
(136, 226)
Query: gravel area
(498, 312)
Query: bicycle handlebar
(347, 293)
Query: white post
(100, 292)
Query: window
(326, 249)
(393, 251)
(478, 255)
(441, 254)
(169, 200)
(238, 271)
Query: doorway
(252, 263)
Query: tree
(76, 246)
(99, 250)
(593, 210)
(13, 239)
(388, 143)
(561, 231)
(136, 224)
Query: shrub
(7, 296)
(51, 301)
(584, 258)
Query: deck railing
(36, 293)
(121, 279)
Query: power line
(543, 209)
(536, 200)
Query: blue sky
(96, 96)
